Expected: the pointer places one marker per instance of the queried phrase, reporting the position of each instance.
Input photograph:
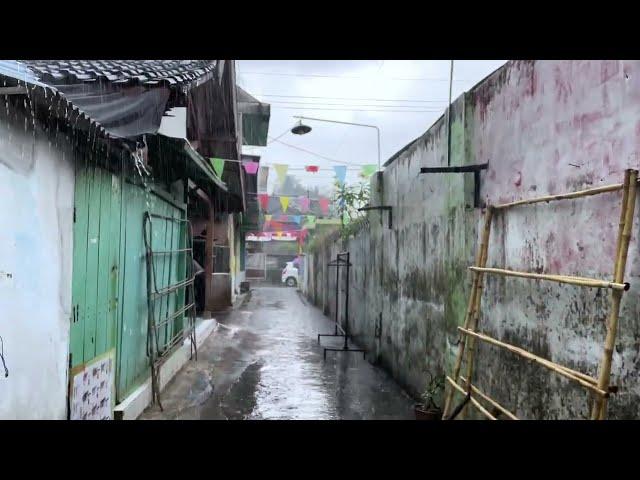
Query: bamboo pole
(563, 196)
(542, 361)
(581, 281)
(473, 324)
(490, 400)
(626, 224)
(477, 404)
(481, 260)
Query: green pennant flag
(367, 170)
(218, 166)
(310, 221)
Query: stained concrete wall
(36, 225)
(544, 127)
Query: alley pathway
(263, 362)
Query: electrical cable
(282, 74)
(291, 102)
(6, 370)
(357, 110)
(354, 98)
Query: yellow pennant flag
(281, 170)
(284, 203)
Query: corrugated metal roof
(121, 72)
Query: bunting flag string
(263, 198)
(284, 203)
(341, 172)
(281, 171)
(250, 166)
(218, 166)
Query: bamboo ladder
(599, 387)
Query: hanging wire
(4, 364)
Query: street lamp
(301, 129)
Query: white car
(290, 275)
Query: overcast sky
(402, 97)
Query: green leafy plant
(435, 385)
(348, 199)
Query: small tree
(349, 199)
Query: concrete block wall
(544, 127)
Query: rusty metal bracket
(475, 169)
(381, 207)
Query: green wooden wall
(109, 285)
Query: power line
(312, 153)
(354, 98)
(429, 79)
(357, 110)
(350, 104)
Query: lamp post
(301, 129)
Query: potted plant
(429, 410)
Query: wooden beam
(473, 400)
(490, 400)
(562, 196)
(581, 281)
(542, 361)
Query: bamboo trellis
(599, 387)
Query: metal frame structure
(342, 260)
(385, 208)
(599, 387)
(475, 169)
(159, 353)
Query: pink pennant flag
(303, 203)
(263, 198)
(250, 167)
(311, 168)
(324, 205)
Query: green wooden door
(96, 249)
(132, 360)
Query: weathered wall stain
(545, 127)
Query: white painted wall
(36, 227)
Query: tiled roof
(119, 72)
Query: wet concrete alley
(263, 362)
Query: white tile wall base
(133, 406)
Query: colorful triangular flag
(281, 170)
(263, 198)
(303, 203)
(311, 168)
(250, 167)
(367, 170)
(341, 172)
(297, 218)
(310, 221)
(218, 166)
(284, 203)
(324, 205)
